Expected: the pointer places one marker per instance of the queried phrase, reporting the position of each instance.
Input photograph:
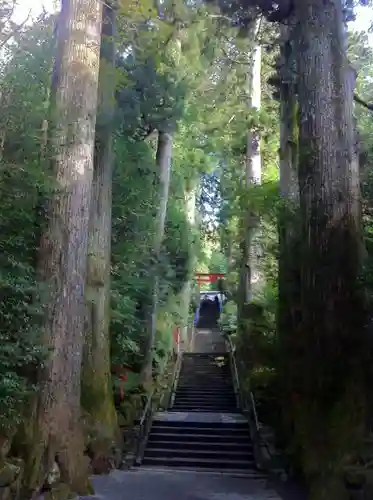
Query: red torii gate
(207, 278)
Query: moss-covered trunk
(163, 160)
(97, 394)
(328, 374)
(56, 433)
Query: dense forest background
(195, 159)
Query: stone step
(217, 426)
(227, 399)
(217, 463)
(205, 385)
(198, 406)
(204, 367)
(209, 374)
(208, 400)
(213, 397)
(205, 388)
(199, 374)
(208, 439)
(217, 376)
(189, 390)
(210, 361)
(223, 389)
(252, 474)
(225, 403)
(216, 372)
(205, 355)
(173, 452)
(231, 446)
(205, 379)
(206, 409)
(204, 394)
(204, 382)
(226, 393)
(209, 364)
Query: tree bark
(97, 395)
(57, 435)
(252, 176)
(289, 188)
(190, 206)
(288, 312)
(332, 312)
(289, 265)
(163, 161)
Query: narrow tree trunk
(252, 176)
(331, 336)
(63, 248)
(163, 161)
(97, 394)
(190, 205)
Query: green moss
(98, 403)
(325, 442)
(59, 492)
(97, 270)
(8, 473)
(96, 393)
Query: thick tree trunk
(63, 249)
(289, 265)
(288, 313)
(163, 161)
(331, 340)
(97, 395)
(288, 119)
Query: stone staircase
(212, 446)
(205, 384)
(203, 430)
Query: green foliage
(24, 89)
(228, 318)
(153, 96)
